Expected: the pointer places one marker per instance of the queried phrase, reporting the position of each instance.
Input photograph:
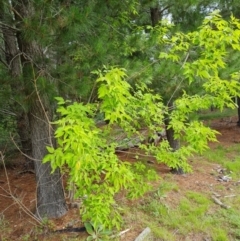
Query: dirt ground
(22, 190)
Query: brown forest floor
(23, 188)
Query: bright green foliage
(128, 108)
(92, 164)
(142, 109)
(202, 56)
(116, 95)
(90, 157)
(97, 233)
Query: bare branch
(6, 26)
(15, 199)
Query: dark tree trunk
(23, 130)
(50, 195)
(12, 57)
(157, 13)
(155, 16)
(174, 143)
(238, 103)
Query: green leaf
(60, 100)
(50, 149)
(89, 228)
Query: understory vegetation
(175, 212)
(97, 96)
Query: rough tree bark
(157, 13)
(155, 16)
(174, 143)
(238, 103)
(13, 62)
(50, 195)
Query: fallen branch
(216, 194)
(217, 201)
(121, 233)
(233, 195)
(26, 171)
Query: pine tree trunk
(50, 195)
(174, 143)
(155, 16)
(23, 130)
(238, 103)
(13, 60)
